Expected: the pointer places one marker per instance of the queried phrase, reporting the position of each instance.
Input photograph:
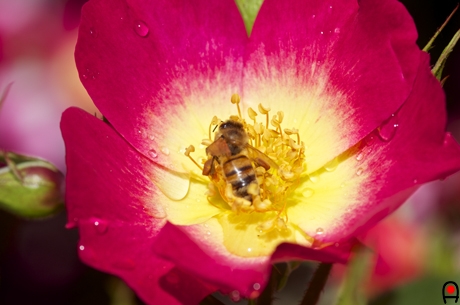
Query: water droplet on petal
(249, 249)
(314, 177)
(313, 16)
(337, 30)
(319, 231)
(141, 28)
(235, 296)
(332, 165)
(308, 192)
(360, 156)
(208, 232)
(165, 150)
(256, 286)
(92, 32)
(153, 153)
(100, 226)
(359, 171)
(322, 32)
(388, 129)
(415, 181)
(81, 248)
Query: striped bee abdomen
(240, 174)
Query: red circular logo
(450, 289)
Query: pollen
(253, 166)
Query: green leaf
(439, 66)
(29, 187)
(358, 268)
(249, 10)
(430, 43)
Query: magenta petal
(108, 198)
(410, 149)
(230, 273)
(129, 56)
(353, 62)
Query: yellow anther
(187, 152)
(235, 99)
(264, 110)
(280, 116)
(259, 128)
(252, 114)
(253, 189)
(291, 131)
(206, 142)
(189, 149)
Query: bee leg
(208, 167)
(262, 163)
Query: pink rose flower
(337, 95)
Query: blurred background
(416, 250)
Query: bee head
(234, 134)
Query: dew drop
(308, 192)
(235, 296)
(165, 150)
(314, 178)
(208, 232)
(81, 248)
(151, 137)
(256, 286)
(92, 32)
(388, 129)
(319, 231)
(359, 171)
(332, 165)
(313, 16)
(415, 181)
(322, 32)
(249, 249)
(100, 226)
(153, 153)
(141, 28)
(360, 156)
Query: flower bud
(31, 188)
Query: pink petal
(214, 264)
(411, 149)
(109, 197)
(141, 61)
(349, 63)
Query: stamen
(236, 100)
(265, 111)
(252, 114)
(187, 152)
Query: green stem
(317, 284)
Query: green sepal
(439, 66)
(29, 187)
(249, 10)
(429, 45)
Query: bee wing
(261, 158)
(218, 148)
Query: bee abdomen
(240, 174)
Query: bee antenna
(215, 128)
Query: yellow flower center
(252, 166)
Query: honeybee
(236, 159)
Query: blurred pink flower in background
(36, 55)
